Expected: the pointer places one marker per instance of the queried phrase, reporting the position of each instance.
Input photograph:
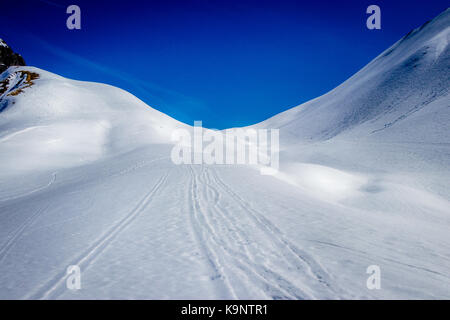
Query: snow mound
(47, 121)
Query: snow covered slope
(405, 87)
(392, 117)
(86, 179)
(49, 121)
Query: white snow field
(86, 179)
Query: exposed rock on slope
(8, 57)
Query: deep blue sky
(228, 63)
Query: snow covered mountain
(391, 117)
(393, 92)
(86, 179)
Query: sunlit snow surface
(86, 179)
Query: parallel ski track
(295, 257)
(18, 232)
(55, 286)
(241, 259)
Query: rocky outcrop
(8, 57)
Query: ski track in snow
(55, 286)
(17, 233)
(268, 262)
(52, 180)
(199, 225)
